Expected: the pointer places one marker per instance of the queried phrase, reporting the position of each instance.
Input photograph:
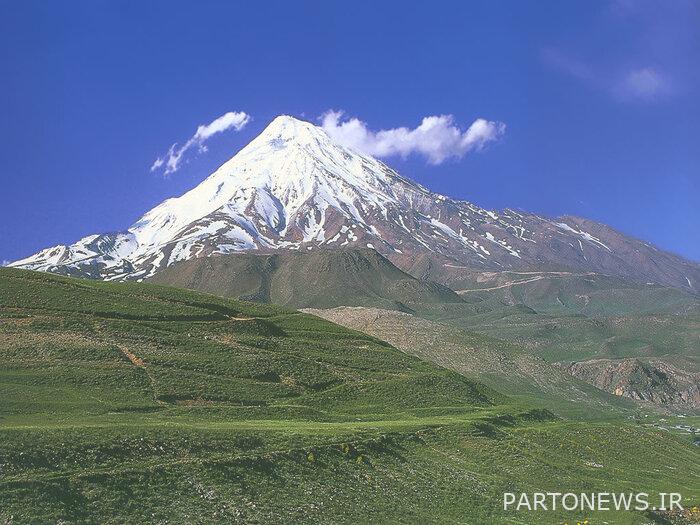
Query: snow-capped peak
(292, 165)
(288, 128)
(294, 187)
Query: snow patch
(587, 236)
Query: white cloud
(437, 138)
(171, 160)
(5, 262)
(232, 119)
(628, 85)
(646, 84)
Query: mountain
(631, 339)
(294, 188)
(322, 278)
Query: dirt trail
(506, 285)
(538, 276)
(135, 360)
(132, 357)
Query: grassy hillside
(143, 345)
(500, 364)
(636, 340)
(314, 279)
(558, 316)
(133, 403)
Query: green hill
(315, 279)
(136, 403)
(144, 345)
(497, 363)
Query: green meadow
(137, 403)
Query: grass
(133, 403)
(579, 317)
(527, 380)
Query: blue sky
(600, 102)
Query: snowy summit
(295, 188)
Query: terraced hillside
(495, 362)
(134, 403)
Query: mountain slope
(526, 354)
(321, 278)
(137, 403)
(570, 293)
(293, 187)
(193, 346)
(653, 380)
(494, 362)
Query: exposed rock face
(654, 380)
(293, 187)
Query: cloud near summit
(170, 162)
(437, 138)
